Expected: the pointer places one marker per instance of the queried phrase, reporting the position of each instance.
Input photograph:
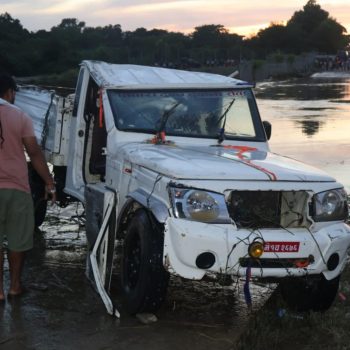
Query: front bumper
(185, 240)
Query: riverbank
(276, 67)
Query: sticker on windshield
(237, 93)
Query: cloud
(175, 15)
(185, 15)
(27, 6)
(140, 3)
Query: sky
(244, 17)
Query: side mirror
(268, 129)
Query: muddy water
(61, 310)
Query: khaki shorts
(16, 219)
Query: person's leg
(4, 195)
(16, 260)
(2, 295)
(19, 237)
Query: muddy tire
(309, 293)
(37, 187)
(143, 278)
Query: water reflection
(310, 121)
(309, 127)
(305, 89)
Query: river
(310, 120)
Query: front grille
(268, 209)
(267, 263)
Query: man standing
(16, 206)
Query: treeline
(25, 53)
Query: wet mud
(61, 309)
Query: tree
(273, 38)
(11, 29)
(208, 34)
(214, 42)
(71, 24)
(310, 29)
(309, 18)
(328, 36)
(316, 30)
(13, 35)
(66, 44)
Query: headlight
(198, 205)
(330, 206)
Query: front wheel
(143, 278)
(309, 293)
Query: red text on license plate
(281, 247)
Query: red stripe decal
(242, 149)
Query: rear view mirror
(268, 129)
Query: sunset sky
(239, 16)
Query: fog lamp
(302, 263)
(256, 249)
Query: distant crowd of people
(186, 63)
(339, 62)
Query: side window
(77, 92)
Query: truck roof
(128, 76)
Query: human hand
(50, 193)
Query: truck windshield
(197, 113)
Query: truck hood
(221, 163)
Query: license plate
(281, 247)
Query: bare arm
(39, 164)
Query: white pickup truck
(177, 166)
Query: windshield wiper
(221, 136)
(160, 134)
